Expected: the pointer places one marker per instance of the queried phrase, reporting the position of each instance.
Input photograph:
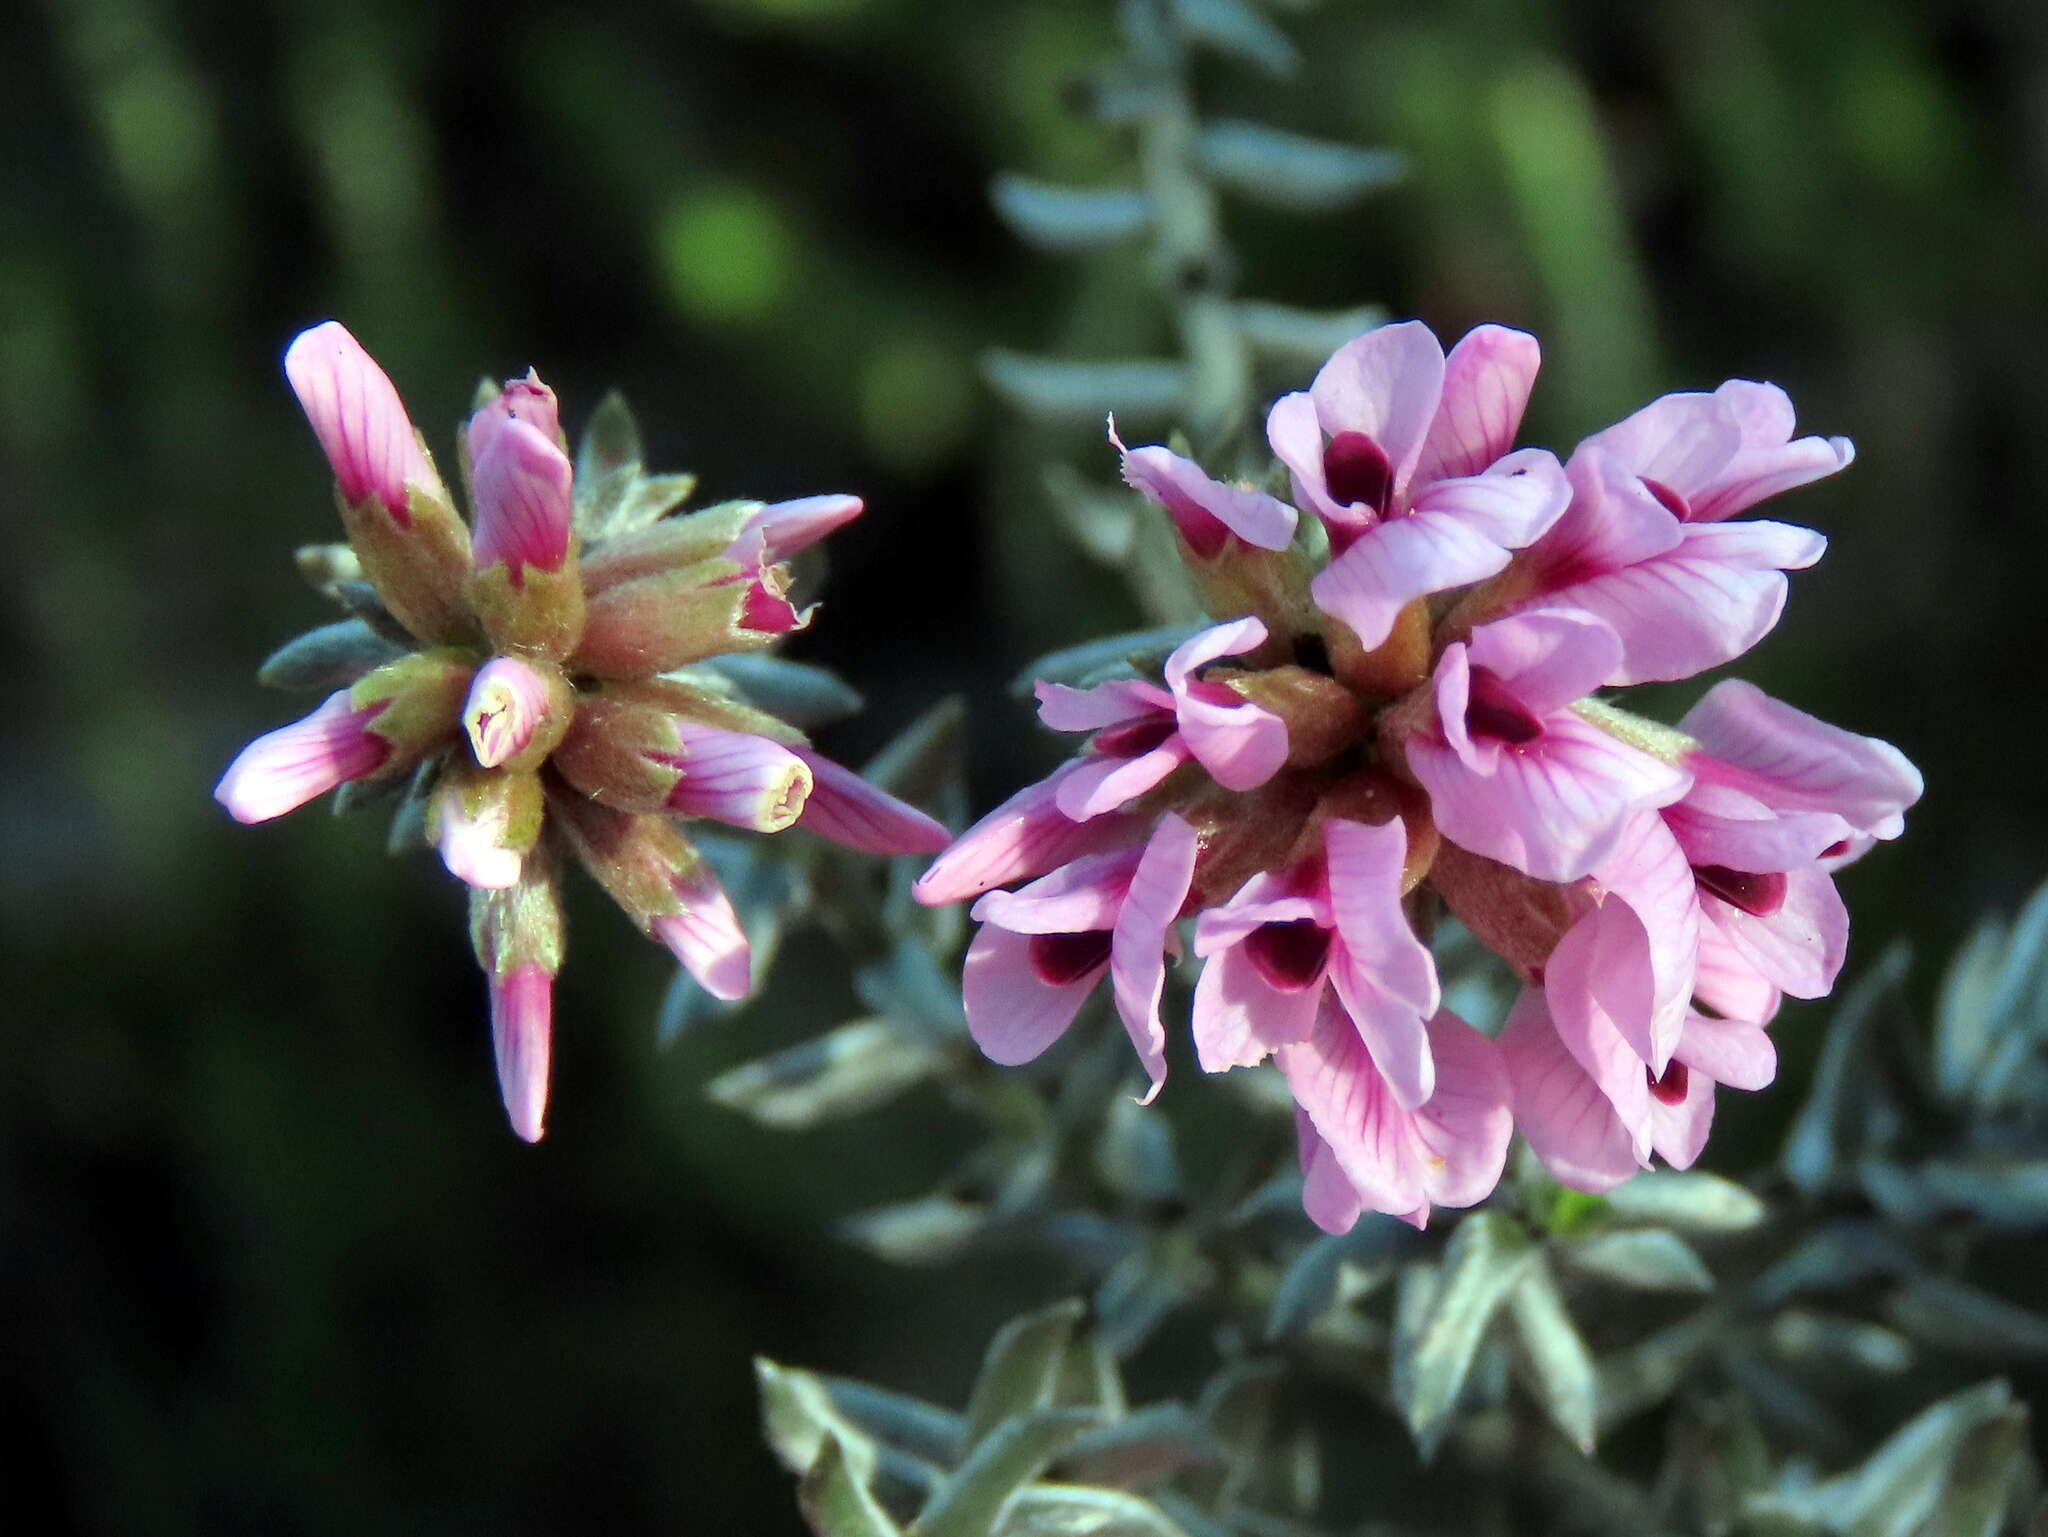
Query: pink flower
(781, 529)
(521, 400)
(1274, 948)
(848, 810)
(524, 505)
(1144, 732)
(283, 769)
(1512, 772)
(1026, 835)
(1207, 513)
(522, 1023)
(508, 700)
(706, 936)
(358, 418)
(1405, 456)
(1042, 950)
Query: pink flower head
(737, 778)
(1274, 948)
(521, 400)
(1042, 950)
(1144, 732)
(508, 699)
(1512, 772)
(524, 506)
(1208, 513)
(283, 769)
(356, 414)
(848, 810)
(781, 529)
(1362, 1151)
(471, 837)
(522, 1025)
(707, 938)
(1025, 836)
(1405, 456)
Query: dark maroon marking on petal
(1201, 530)
(1674, 504)
(1836, 849)
(1133, 739)
(1060, 959)
(1357, 471)
(1492, 710)
(1757, 895)
(1290, 956)
(1671, 1088)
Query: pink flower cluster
(1401, 714)
(536, 674)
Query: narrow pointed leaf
(803, 695)
(1011, 1455)
(1291, 171)
(1981, 1479)
(1961, 1318)
(1965, 1028)
(1070, 389)
(1021, 1367)
(1560, 1367)
(1061, 218)
(1070, 1510)
(331, 657)
(835, 1503)
(1096, 660)
(1142, 1448)
(927, 1231)
(1828, 1131)
(798, 1417)
(1237, 28)
(843, 1072)
(1828, 1341)
(1648, 1259)
(1301, 337)
(1691, 1199)
(1485, 1261)
(921, 1428)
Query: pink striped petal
(524, 508)
(1205, 511)
(1107, 704)
(1078, 898)
(1099, 785)
(1678, 1130)
(1326, 1192)
(1800, 947)
(1569, 1123)
(473, 847)
(358, 418)
(1602, 999)
(1730, 1051)
(1384, 974)
(521, 400)
(508, 699)
(1241, 744)
(1717, 825)
(737, 778)
(522, 1025)
(1549, 657)
(1386, 384)
(1266, 898)
(1013, 1013)
(847, 809)
(1487, 380)
(1395, 562)
(1728, 984)
(707, 938)
(781, 529)
(1679, 441)
(1789, 760)
(1649, 872)
(1239, 1017)
(1025, 836)
(283, 769)
(1296, 438)
(1144, 928)
(1769, 460)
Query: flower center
(1757, 895)
(1357, 471)
(1289, 956)
(1134, 738)
(1671, 1088)
(1492, 710)
(1062, 959)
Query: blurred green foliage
(268, 1259)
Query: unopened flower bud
(705, 935)
(282, 770)
(638, 757)
(520, 400)
(518, 936)
(526, 589)
(780, 529)
(485, 822)
(516, 712)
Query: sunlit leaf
(1061, 218)
(1292, 171)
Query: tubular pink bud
(523, 503)
(707, 938)
(512, 706)
(521, 400)
(742, 780)
(358, 418)
(522, 1025)
(780, 529)
(484, 824)
(282, 770)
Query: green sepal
(657, 623)
(333, 656)
(521, 924)
(421, 698)
(421, 568)
(540, 615)
(668, 545)
(638, 860)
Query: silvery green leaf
(2019, 1003)
(1649, 1259)
(1236, 28)
(1134, 1156)
(1301, 337)
(608, 462)
(837, 1504)
(331, 657)
(1069, 1510)
(1011, 1455)
(1965, 1028)
(1900, 1485)
(1310, 1285)
(908, 985)
(1484, 1262)
(1825, 1339)
(1096, 660)
(408, 829)
(1192, 1520)
(361, 600)
(1961, 1318)
(1829, 1128)
(1061, 218)
(1089, 1376)
(1982, 1479)
(1690, 1198)
(1647, 1373)
(1071, 389)
(805, 696)
(927, 1231)
(1021, 1367)
(357, 795)
(1100, 519)
(1142, 1448)
(896, 1419)
(2005, 1192)
(1140, 1291)
(1289, 170)
(843, 1072)
(797, 1416)
(1560, 1367)
(1840, 1256)
(1788, 1404)
(647, 499)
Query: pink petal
(1513, 502)
(522, 400)
(1296, 438)
(524, 508)
(1266, 898)
(1569, 1123)
(1078, 898)
(1789, 760)
(473, 847)
(1024, 836)
(1727, 983)
(1465, 1128)
(1704, 602)
(1012, 1013)
(1553, 808)
(1240, 1017)
(1800, 947)
(1326, 1193)
(1386, 384)
(1678, 1132)
(1107, 704)
(358, 418)
(1137, 964)
(1384, 974)
(1648, 871)
(1767, 462)
(508, 700)
(522, 1025)
(1395, 562)
(1611, 522)
(283, 769)
(1205, 510)
(1098, 784)
(781, 529)
(1241, 744)
(707, 938)
(1548, 657)
(1487, 380)
(737, 778)
(1730, 1051)
(847, 809)
(1601, 994)
(1682, 442)
(1717, 825)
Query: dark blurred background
(269, 1258)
